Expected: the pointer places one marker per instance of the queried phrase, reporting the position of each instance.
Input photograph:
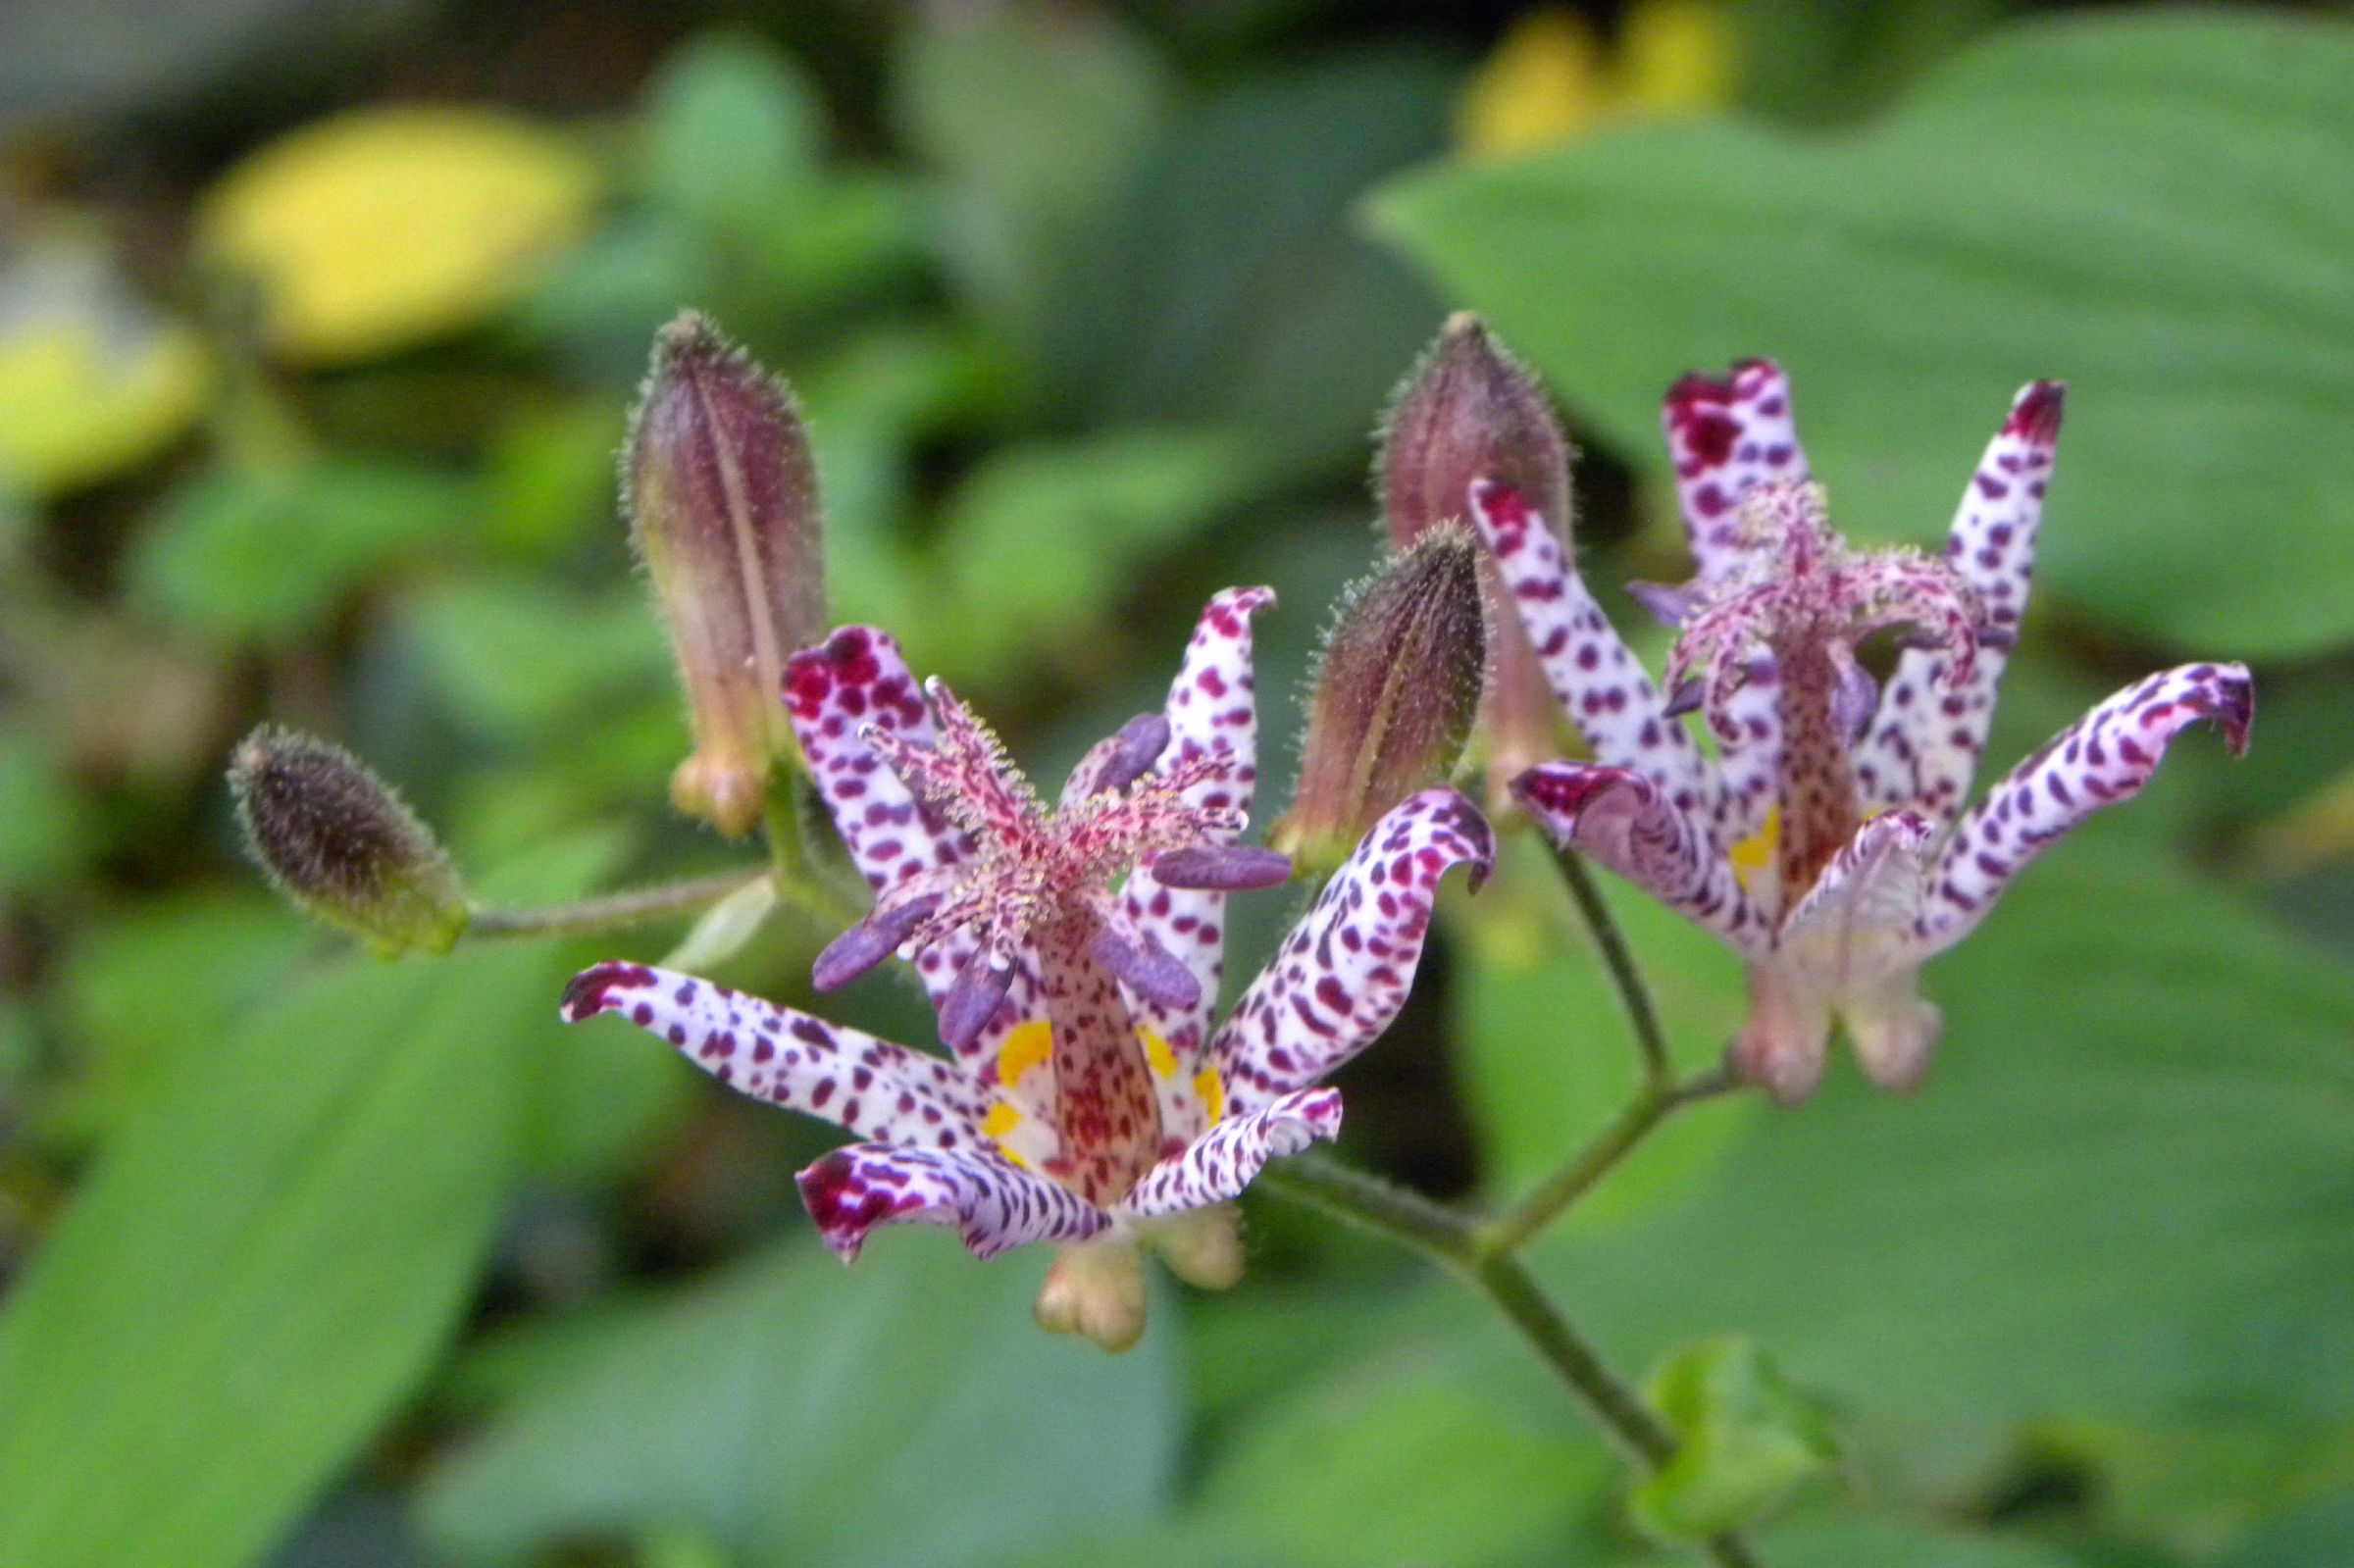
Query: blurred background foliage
(318, 323)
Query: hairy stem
(1584, 1170)
(637, 906)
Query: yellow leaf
(384, 228)
(93, 380)
(1544, 86)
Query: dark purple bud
(869, 943)
(1667, 604)
(1238, 869)
(340, 842)
(1396, 692)
(1147, 969)
(973, 999)
(721, 491)
(1114, 762)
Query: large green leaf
(263, 1265)
(2126, 1187)
(2146, 206)
(905, 1411)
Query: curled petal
(2105, 757)
(1871, 892)
(1221, 1162)
(1784, 1041)
(871, 1087)
(1340, 976)
(1724, 437)
(1932, 727)
(1604, 692)
(1894, 1031)
(1238, 868)
(993, 1204)
(1621, 819)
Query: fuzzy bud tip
(340, 844)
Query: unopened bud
(721, 492)
(1095, 1290)
(1394, 694)
(1470, 413)
(340, 844)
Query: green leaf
(267, 555)
(2128, 202)
(1887, 1543)
(46, 832)
(903, 1411)
(263, 1266)
(1745, 1438)
(2318, 1537)
(1401, 1460)
(2121, 1190)
(512, 652)
(730, 131)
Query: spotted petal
(1607, 694)
(1221, 1162)
(1724, 437)
(1343, 972)
(2105, 757)
(993, 1204)
(1622, 819)
(1212, 709)
(1869, 896)
(871, 1087)
(1931, 727)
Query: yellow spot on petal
(1026, 1045)
(1212, 1090)
(383, 227)
(1158, 1052)
(1755, 852)
(999, 1123)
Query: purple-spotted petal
(2105, 757)
(1724, 437)
(1216, 1165)
(1212, 709)
(1932, 722)
(1621, 820)
(871, 1087)
(855, 680)
(1868, 898)
(1343, 972)
(1604, 692)
(993, 1204)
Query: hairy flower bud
(340, 844)
(1394, 694)
(721, 492)
(1470, 412)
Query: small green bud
(721, 492)
(1468, 412)
(340, 842)
(1394, 696)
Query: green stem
(1449, 1238)
(1634, 994)
(638, 906)
(799, 880)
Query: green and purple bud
(721, 492)
(1472, 414)
(340, 844)
(1394, 694)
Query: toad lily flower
(1826, 841)
(1086, 1099)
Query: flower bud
(721, 492)
(340, 844)
(1394, 694)
(1096, 1290)
(1468, 413)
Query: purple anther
(867, 943)
(1233, 870)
